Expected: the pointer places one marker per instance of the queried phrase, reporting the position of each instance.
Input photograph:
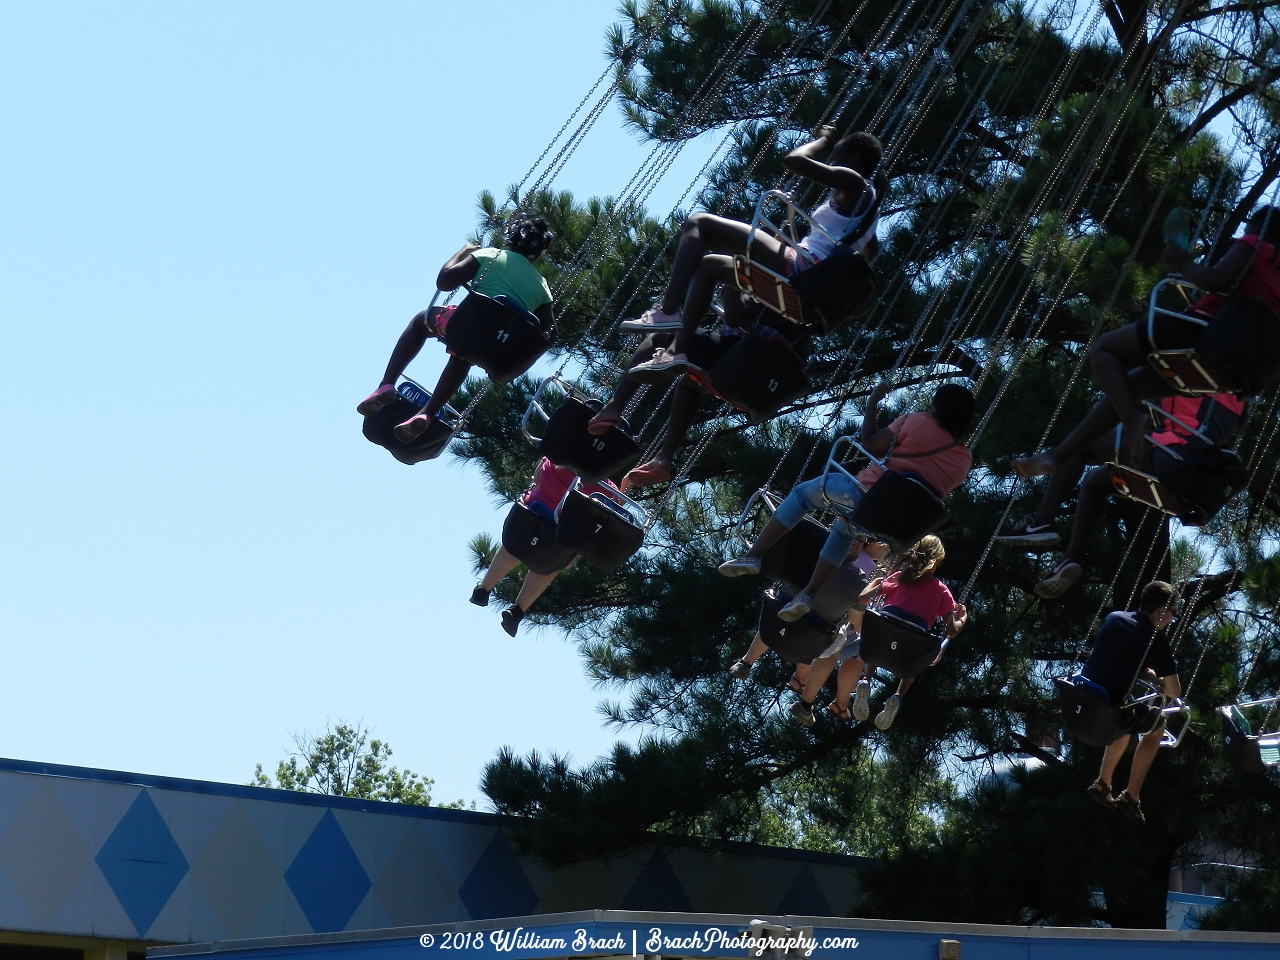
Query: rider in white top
(829, 222)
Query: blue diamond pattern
(142, 863)
(326, 877)
(657, 888)
(805, 898)
(497, 885)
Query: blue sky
(217, 217)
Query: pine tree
(1031, 160)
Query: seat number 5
(533, 542)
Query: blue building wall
(94, 853)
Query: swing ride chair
(898, 509)
(606, 529)
(790, 561)
(1188, 372)
(493, 333)
(769, 287)
(412, 397)
(1089, 715)
(1147, 489)
(566, 442)
(1244, 749)
(531, 538)
(796, 641)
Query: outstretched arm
(1220, 276)
(803, 161)
(462, 266)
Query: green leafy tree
(1032, 153)
(344, 761)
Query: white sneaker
(884, 719)
(652, 320)
(804, 713)
(663, 366)
(740, 567)
(796, 609)
(862, 701)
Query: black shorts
(1139, 718)
(1171, 333)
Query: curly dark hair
(953, 408)
(528, 235)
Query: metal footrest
(1144, 488)
(1194, 375)
(770, 289)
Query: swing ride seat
(606, 532)
(1246, 751)
(791, 559)
(769, 288)
(903, 647)
(759, 375)
(1207, 369)
(531, 539)
(1089, 715)
(412, 397)
(566, 443)
(799, 641)
(1144, 488)
(501, 338)
(839, 289)
(899, 508)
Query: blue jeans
(807, 498)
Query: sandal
(1131, 807)
(1100, 793)
(834, 709)
(794, 685)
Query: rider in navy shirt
(1134, 646)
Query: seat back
(566, 443)
(792, 558)
(839, 288)
(1202, 481)
(899, 510)
(1144, 488)
(605, 534)
(1244, 337)
(380, 428)
(1238, 745)
(799, 641)
(1195, 376)
(498, 337)
(769, 288)
(531, 539)
(1086, 715)
(760, 375)
(903, 648)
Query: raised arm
(462, 266)
(876, 441)
(1218, 277)
(803, 161)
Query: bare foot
(603, 422)
(647, 474)
(1041, 465)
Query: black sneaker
(480, 596)
(511, 618)
(1063, 577)
(1027, 533)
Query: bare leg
(407, 347)
(705, 233)
(1143, 757)
(755, 651)
(818, 673)
(1111, 759)
(1089, 508)
(822, 572)
(773, 532)
(904, 686)
(846, 679)
(535, 584)
(503, 563)
(1143, 382)
(1064, 479)
(451, 378)
(626, 388)
(713, 270)
(1112, 356)
(684, 407)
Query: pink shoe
(377, 400)
(413, 428)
